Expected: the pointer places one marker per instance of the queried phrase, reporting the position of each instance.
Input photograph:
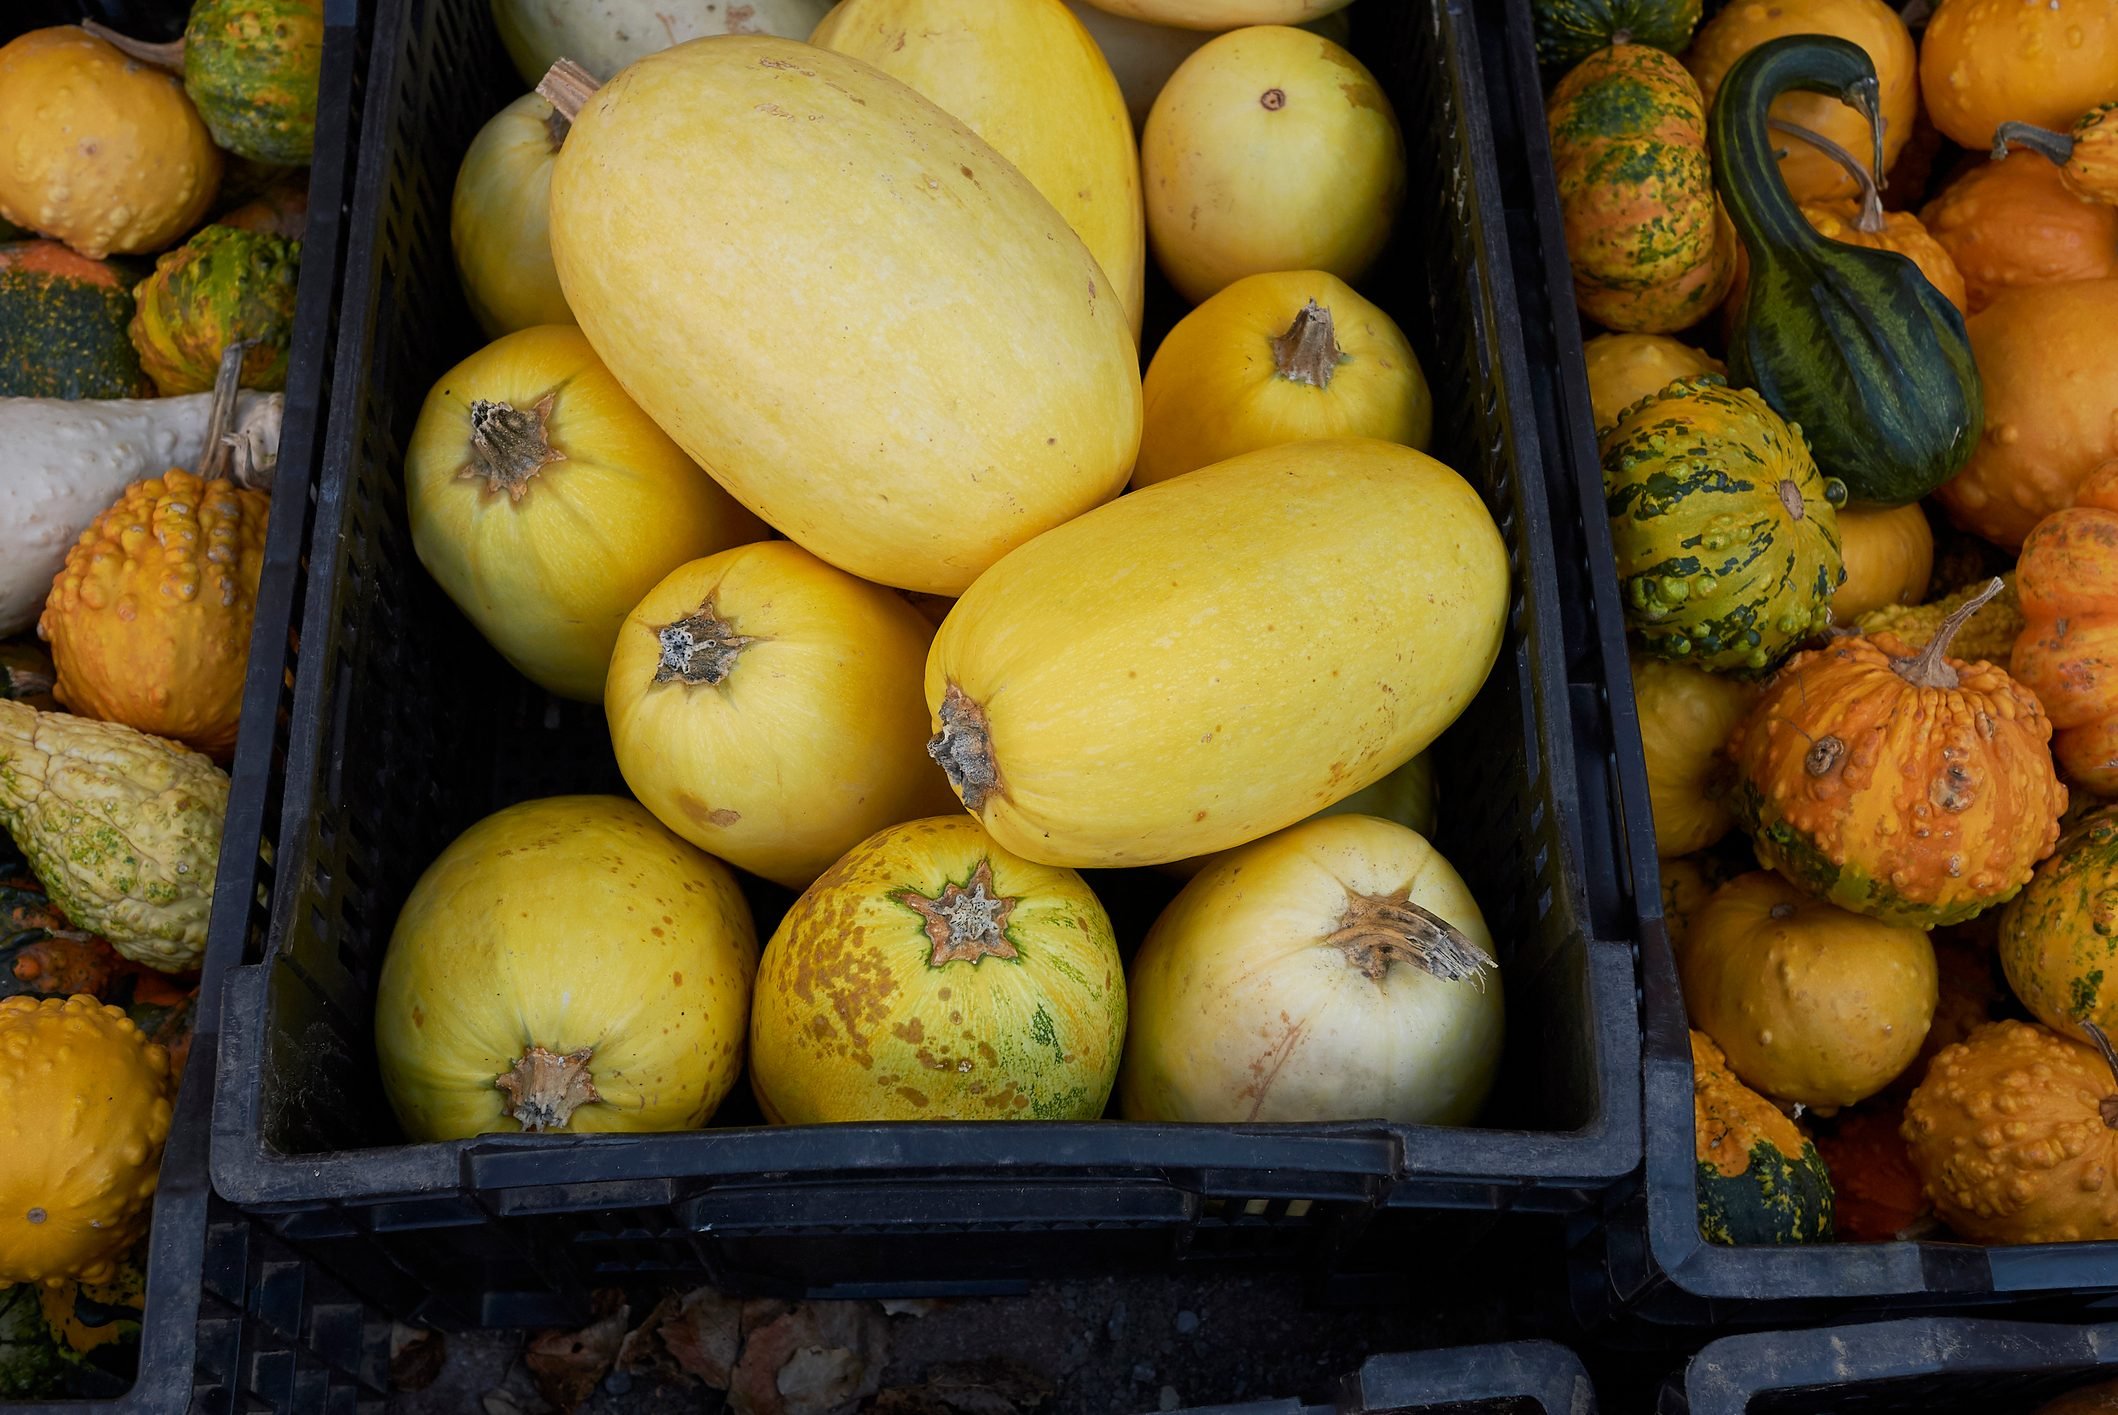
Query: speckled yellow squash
(1100, 701)
(1279, 358)
(546, 503)
(908, 407)
(499, 224)
(1281, 983)
(1027, 78)
(768, 709)
(565, 964)
(933, 975)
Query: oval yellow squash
(1335, 971)
(1269, 149)
(768, 708)
(498, 224)
(872, 329)
(565, 964)
(546, 503)
(1219, 655)
(1027, 78)
(933, 975)
(1279, 358)
(1222, 14)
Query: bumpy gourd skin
(2067, 653)
(149, 619)
(2015, 222)
(83, 1117)
(123, 830)
(220, 286)
(1915, 805)
(252, 67)
(1760, 1179)
(1727, 536)
(2059, 937)
(2008, 1135)
(62, 326)
(1990, 633)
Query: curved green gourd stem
(1741, 135)
(2056, 148)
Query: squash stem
(168, 56)
(544, 1089)
(1745, 168)
(567, 87)
(1870, 184)
(965, 922)
(700, 649)
(1929, 668)
(1309, 351)
(509, 445)
(964, 749)
(1378, 930)
(2058, 148)
(220, 417)
(2109, 1105)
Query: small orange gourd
(2067, 653)
(2015, 222)
(1914, 788)
(2086, 155)
(2015, 1136)
(1983, 62)
(1889, 555)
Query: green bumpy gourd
(1568, 31)
(1852, 344)
(1726, 534)
(220, 286)
(251, 68)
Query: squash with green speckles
(1726, 534)
(1760, 1179)
(252, 67)
(1568, 31)
(220, 286)
(932, 975)
(2059, 937)
(1650, 249)
(62, 326)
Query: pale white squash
(1226, 14)
(603, 36)
(1143, 55)
(62, 464)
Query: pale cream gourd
(1222, 14)
(1338, 970)
(603, 36)
(565, 964)
(869, 326)
(1214, 657)
(768, 709)
(1144, 55)
(1027, 78)
(1269, 149)
(546, 503)
(498, 224)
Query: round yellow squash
(101, 151)
(1217, 656)
(933, 975)
(1279, 358)
(874, 330)
(768, 708)
(1222, 14)
(1624, 368)
(1686, 716)
(565, 964)
(546, 503)
(1889, 552)
(1811, 1003)
(1335, 971)
(498, 222)
(1269, 149)
(1027, 78)
(84, 1109)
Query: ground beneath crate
(1074, 1348)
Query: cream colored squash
(497, 220)
(1144, 55)
(565, 964)
(603, 36)
(1338, 970)
(1279, 358)
(870, 327)
(1217, 656)
(546, 503)
(1027, 78)
(768, 708)
(1269, 149)
(1223, 14)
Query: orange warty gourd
(2067, 653)
(1917, 789)
(2048, 356)
(2086, 155)
(1984, 62)
(2014, 222)
(2015, 1136)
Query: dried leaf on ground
(417, 1355)
(705, 1334)
(819, 1358)
(569, 1365)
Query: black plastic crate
(1916, 1366)
(232, 1319)
(1514, 1378)
(408, 728)
(1643, 1258)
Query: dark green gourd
(1568, 31)
(1854, 344)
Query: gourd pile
(1859, 431)
(803, 445)
(151, 208)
